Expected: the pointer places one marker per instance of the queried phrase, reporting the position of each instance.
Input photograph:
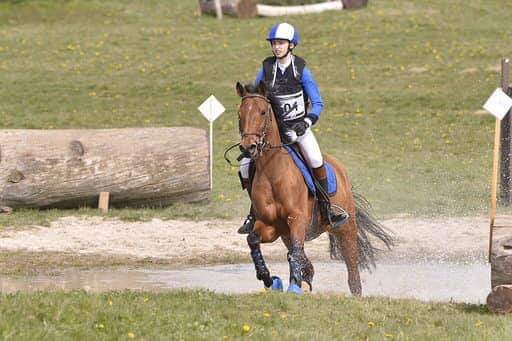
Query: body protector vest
(287, 96)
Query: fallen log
(242, 9)
(69, 168)
(275, 11)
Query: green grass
(401, 83)
(193, 315)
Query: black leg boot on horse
(248, 224)
(262, 272)
(335, 219)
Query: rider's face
(280, 47)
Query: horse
(284, 208)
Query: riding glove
(301, 126)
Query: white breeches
(308, 145)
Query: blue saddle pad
(308, 177)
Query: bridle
(262, 144)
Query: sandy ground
(461, 239)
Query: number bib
(291, 106)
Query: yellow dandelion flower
(371, 324)
(131, 335)
(246, 328)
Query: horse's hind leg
(347, 239)
(308, 271)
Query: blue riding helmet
(284, 31)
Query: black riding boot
(335, 218)
(248, 224)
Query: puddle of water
(425, 281)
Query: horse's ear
(262, 89)
(240, 90)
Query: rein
(262, 143)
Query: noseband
(262, 142)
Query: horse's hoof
(277, 284)
(295, 289)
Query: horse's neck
(275, 154)
(274, 137)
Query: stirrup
(335, 219)
(247, 226)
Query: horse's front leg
(296, 255)
(308, 271)
(254, 239)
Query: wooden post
(506, 178)
(103, 202)
(218, 9)
(494, 182)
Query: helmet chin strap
(290, 50)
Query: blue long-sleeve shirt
(310, 88)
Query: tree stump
(242, 9)
(501, 262)
(354, 4)
(500, 299)
(69, 168)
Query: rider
(292, 87)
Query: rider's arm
(259, 77)
(311, 88)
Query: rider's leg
(311, 151)
(248, 224)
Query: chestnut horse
(283, 206)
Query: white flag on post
(498, 104)
(211, 110)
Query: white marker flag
(211, 110)
(498, 104)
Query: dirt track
(428, 239)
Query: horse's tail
(367, 224)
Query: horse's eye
(263, 112)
